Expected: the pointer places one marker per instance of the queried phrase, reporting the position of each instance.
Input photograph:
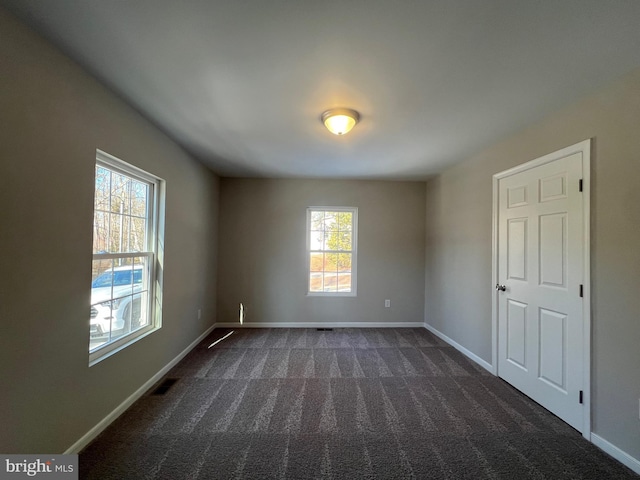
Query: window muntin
(123, 286)
(331, 247)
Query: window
(124, 288)
(331, 246)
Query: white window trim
(154, 253)
(354, 252)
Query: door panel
(516, 249)
(540, 261)
(517, 196)
(517, 334)
(553, 348)
(553, 250)
(553, 187)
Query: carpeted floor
(342, 404)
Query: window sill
(113, 348)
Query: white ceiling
(241, 84)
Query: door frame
(584, 148)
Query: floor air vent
(164, 387)
(324, 329)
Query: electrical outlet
(387, 303)
(199, 313)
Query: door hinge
(581, 291)
(580, 185)
(580, 396)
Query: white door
(541, 277)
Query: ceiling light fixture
(340, 120)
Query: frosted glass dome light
(340, 120)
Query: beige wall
(262, 255)
(458, 246)
(53, 116)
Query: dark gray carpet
(343, 404)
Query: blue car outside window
(121, 278)
(103, 280)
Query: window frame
(155, 200)
(353, 251)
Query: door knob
(501, 288)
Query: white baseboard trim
(483, 363)
(106, 421)
(320, 325)
(620, 455)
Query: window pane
(344, 282)
(120, 186)
(103, 189)
(101, 275)
(131, 310)
(126, 234)
(101, 303)
(100, 232)
(125, 197)
(117, 326)
(345, 221)
(316, 239)
(141, 273)
(330, 282)
(100, 325)
(317, 262)
(138, 235)
(122, 277)
(329, 240)
(131, 313)
(344, 262)
(116, 240)
(343, 241)
(139, 193)
(330, 221)
(317, 220)
(331, 262)
(315, 282)
(141, 312)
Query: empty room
(341, 240)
